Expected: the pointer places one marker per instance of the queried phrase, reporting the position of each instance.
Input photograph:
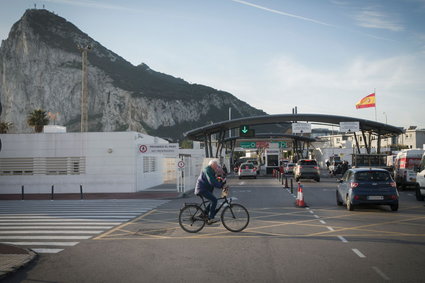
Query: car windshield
(373, 176)
(308, 162)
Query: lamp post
(84, 89)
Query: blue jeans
(212, 205)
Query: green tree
(37, 119)
(186, 143)
(5, 126)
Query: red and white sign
(143, 148)
(181, 164)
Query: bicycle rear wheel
(235, 217)
(191, 218)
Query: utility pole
(85, 89)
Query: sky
(321, 56)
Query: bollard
(292, 187)
(22, 192)
(81, 191)
(53, 191)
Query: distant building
(413, 138)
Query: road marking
(59, 222)
(50, 232)
(68, 244)
(322, 221)
(47, 251)
(124, 225)
(316, 216)
(357, 252)
(311, 211)
(45, 237)
(70, 216)
(11, 227)
(330, 228)
(342, 239)
(382, 274)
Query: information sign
(301, 128)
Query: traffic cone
(300, 197)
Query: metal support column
(365, 142)
(357, 143)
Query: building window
(149, 164)
(42, 166)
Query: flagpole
(376, 117)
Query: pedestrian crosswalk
(50, 226)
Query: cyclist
(205, 185)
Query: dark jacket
(207, 181)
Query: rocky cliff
(40, 67)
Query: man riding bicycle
(205, 184)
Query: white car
(247, 170)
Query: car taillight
(356, 197)
(316, 167)
(394, 197)
(255, 169)
(393, 184)
(354, 185)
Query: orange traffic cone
(300, 197)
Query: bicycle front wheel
(191, 218)
(235, 217)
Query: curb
(15, 262)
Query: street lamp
(84, 90)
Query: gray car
(307, 169)
(367, 186)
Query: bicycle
(194, 216)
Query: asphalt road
(283, 243)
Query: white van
(404, 167)
(420, 179)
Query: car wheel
(394, 207)
(419, 196)
(338, 201)
(350, 206)
(317, 179)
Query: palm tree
(37, 119)
(5, 126)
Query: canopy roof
(378, 128)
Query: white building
(100, 162)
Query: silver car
(307, 169)
(247, 170)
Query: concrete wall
(112, 162)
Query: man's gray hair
(213, 161)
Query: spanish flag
(368, 101)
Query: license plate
(375, 197)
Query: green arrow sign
(245, 130)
